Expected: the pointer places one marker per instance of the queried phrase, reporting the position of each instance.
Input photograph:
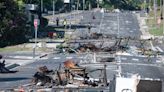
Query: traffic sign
(66, 1)
(35, 23)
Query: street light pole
(155, 11)
(36, 32)
(161, 7)
(36, 23)
(77, 5)
(98, 3)
(144, 5)
(163, 18)
(41, 5)
(118, 25)
(83, 5)
(70, 5)
(53, 8)
(102, 11)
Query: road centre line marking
(123, 58)
(69, 57)
(139, 64)
(135, 59)
(57, 58)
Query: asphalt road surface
(117, 24)
(129, 65)
(107, 24)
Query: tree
(91, 4)
(127, 4)
(13, 24)
(46, 3)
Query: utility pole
(40, 11)
(163, 18)
(145, 5)
(53, 9)
(161, 7)
(83, 5)
(89, 5)
(118, 25)
(77, 5)
(41, 5)
(97, 3)
(70, 5)
(119, 66)
(105, 76)
(155, 11)
(149, 4)
(101, 21)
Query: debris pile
(3, 69)
(41, 77)
(70, 74)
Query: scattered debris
(3, 69)
(69, 74)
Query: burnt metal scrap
(143, 50)
(121, 44)
(96, 36)
(150, 52)
(86, 47)
(70, 73)
(41, 76)
(84, 73)
(118, 46)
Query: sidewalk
(146, 35)
(144, 28)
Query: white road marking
(135, 59)
(44, 58)
(110, 42)
(159, 49)
(131, 31)
(119, 59)
(124, 58)
(127, 28)
(112, 67)
(127, 22)
(139, 64)
(81, 57)
(21, 57)
(57, 58)
(69, 57)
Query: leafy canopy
(13, 27)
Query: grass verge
(13, 49)
(154, 29)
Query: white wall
(126, 83)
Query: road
(129, 64)
(128, 24)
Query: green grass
(12, 49)
(156, 31)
